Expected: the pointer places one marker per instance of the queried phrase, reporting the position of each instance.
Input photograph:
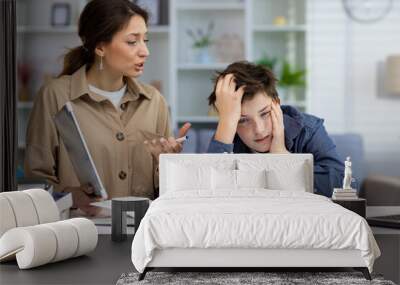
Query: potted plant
(289, 80)
(288, 77)
(267, 61)
(201, 43)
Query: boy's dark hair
(256, 78)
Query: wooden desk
(389, 243)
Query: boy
(251, 120)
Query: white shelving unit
(46, 29)
(286, 42)
(201, 66)
(253, 22)
(197, 119)
(190, 77)
(191, 5)
(74, 29)
(272, 28)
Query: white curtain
(8, 104)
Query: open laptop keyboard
(391, 221)
(390, 218)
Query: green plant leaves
(291, 77)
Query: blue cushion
(204, 139)
(190, 146)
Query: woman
(112, 108)
(251, 120)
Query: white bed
(202, 219)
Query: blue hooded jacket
(304, 133)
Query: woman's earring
(101, 67)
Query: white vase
(202, 55)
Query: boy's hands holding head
(228, 103)
(278, 130)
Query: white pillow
(251, 178)
(182, 177)
(293, 179)
(236, 179)
(223, 179)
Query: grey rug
(225, 278)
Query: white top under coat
(113, 96)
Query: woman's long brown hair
(99, 21)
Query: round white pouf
(87, 235)
(23, 208)
(7, 218)
(67, 240)
(40, 244)
(45, 205)
(33, 246)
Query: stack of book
(344, 194)
(63, 201)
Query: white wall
(344, 60)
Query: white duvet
(253, 218)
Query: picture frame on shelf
(229, 47)
(60, 14)
(164, 12)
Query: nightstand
(357, 205)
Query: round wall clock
(367, 11)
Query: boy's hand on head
(228, 99)
(278, 130)
(228, 103)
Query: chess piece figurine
(347, 174)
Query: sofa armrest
(381, 190)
